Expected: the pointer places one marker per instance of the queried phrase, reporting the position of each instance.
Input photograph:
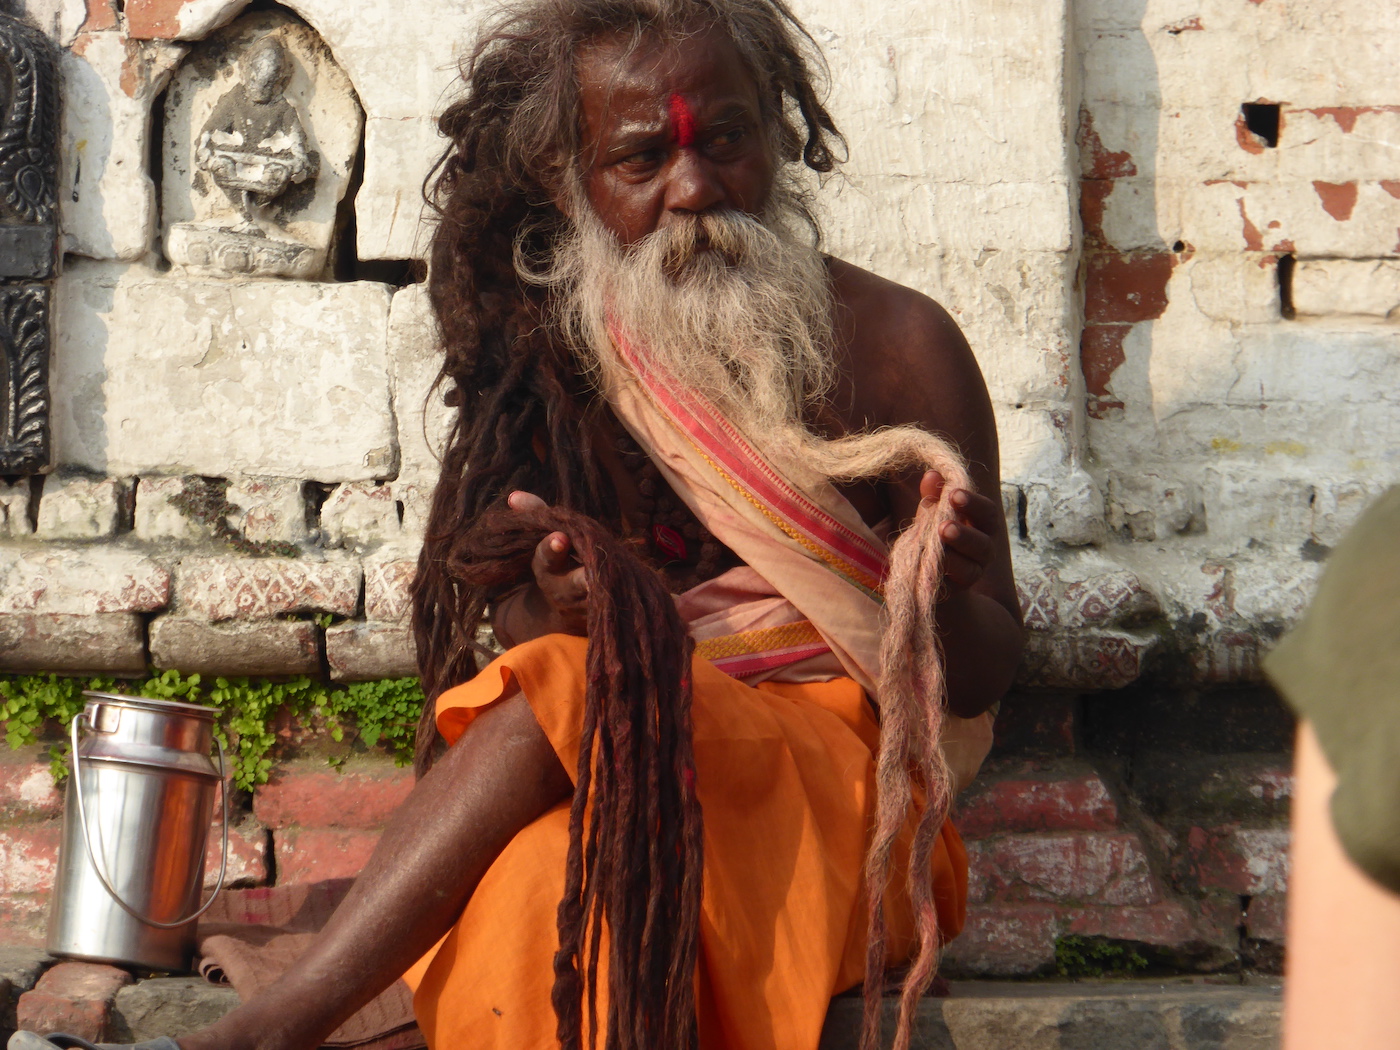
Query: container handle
(97, 867)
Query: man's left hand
(967, 541)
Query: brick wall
(1154, 819)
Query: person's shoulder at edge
(911, 359)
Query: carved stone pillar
(28, 241)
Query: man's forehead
(628, 82)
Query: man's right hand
(556, 602)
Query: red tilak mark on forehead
(682, 122)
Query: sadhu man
(639, 328)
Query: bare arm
(906, 361)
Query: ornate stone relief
(28, 241)
(261, 131)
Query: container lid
(195, 710)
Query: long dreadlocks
(525, 421)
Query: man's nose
(692, 185)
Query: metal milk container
(135, 823)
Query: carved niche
(261, 132)
(28, 241)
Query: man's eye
(642, 158)
(728, 138)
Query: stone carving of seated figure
(253, 145)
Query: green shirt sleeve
(1340, 669)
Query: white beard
(734, 306)
(738, 309)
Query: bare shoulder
(906, 361)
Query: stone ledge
(1183, 1014)
(260, 647)
(1089, 1015)
(66, 643)
(169, 1006)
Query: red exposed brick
(73, 997)
(29, 857)
(1237, 860)
(1005, 940)
(315, 854)
(1249, 142)
(317, 797)
(27, 789)
(1092, 867)
(1345, 116)
(1076, 803)
(1392, 187)
(101, 14)
(1095, 161)
(247, 855)
(1168, 923)
(1266, 917)
(153, 19)
(1338, 198)
(1093, 200)
(1100, 354)
(1253, 239)
(1127, 287)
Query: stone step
(1184, 1014)
(1082, 1015)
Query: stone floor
(1184, 1014)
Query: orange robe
(785, 777)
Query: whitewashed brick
(388, 576)
(80, 581)
(270, 378)
(415, 355)
(416, 499)
(270, 510)
(1337, 505)
(60, 19)
(78, 508)
(104, 643)
(1242, 504)
(263, 647)
(1274, 591)
(389, 207)
(366, 651)
(360, 515)
(14, 509)
(242, 588)
(402, 59)
(1365, 287)
(181, 19)
(106, 196)
(1151, 507)
(1068, 512)
(158, 518)
(1035, 442)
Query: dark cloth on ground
(250, 938)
